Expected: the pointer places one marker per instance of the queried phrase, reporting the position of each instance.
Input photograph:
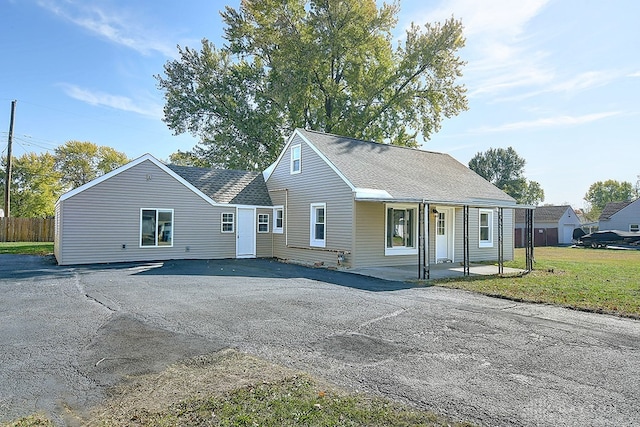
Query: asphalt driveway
(69, 333)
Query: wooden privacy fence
(27, 229)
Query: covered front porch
(435, 239)
(407, 273)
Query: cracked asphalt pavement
(67, 334)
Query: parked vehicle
(602, 239)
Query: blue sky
(558, 80)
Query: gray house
(368, 204)
(623, 216)
(147, 210)
(327, 199)
(553, 225)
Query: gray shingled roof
(611, 208)
(227, 186)
(544, 213)
(405, 173)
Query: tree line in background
(602, 192)
(504, 168)
(38, 180)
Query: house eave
(471, 203)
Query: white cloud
(499, 58)
(636, 74)
(118, 102)
(586, 80)
(573, 85)
(114, 26)
(548, 122)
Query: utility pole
(7, 184)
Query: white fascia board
(146, 157)
(371, 194)
(268, 171)
(266, 174)
(326, 160)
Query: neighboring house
(623, 216)
(364, 200)
(586, 225)
(552, 225)
(326, 200)
(147, 211)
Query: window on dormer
(296, 154)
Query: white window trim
(278, 230)
(401, 250)
(319, 243)
(636, 226)
(233, 222)
(485, 243)
(263, 223)
(299, 158)
(156, 233)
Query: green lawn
(600, 280)
(29, 248)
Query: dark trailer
(602, 239)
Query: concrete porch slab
(438, 271)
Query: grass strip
(598, 280)
(26, 248)
(293, 401)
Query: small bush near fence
(27, 229)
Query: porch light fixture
(434, 211)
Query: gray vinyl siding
(97, 222)
(476, 253)
(58, 233)
(264, 241)
(316, 183)
(623, 218)
(370, 238)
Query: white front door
(246, 233)
(444, 235)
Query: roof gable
(382, 170)
(611, 209)
(214, 186)
(131, 164)
(546, 213)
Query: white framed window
(485, 228)
(401, 230)
(278, 219)
(227, 222)
(156, 228)
(318, 222)
(263, 223)
(441, 224)
(634, 227)
(296, 158)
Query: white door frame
(246, 229)
(450, 220)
